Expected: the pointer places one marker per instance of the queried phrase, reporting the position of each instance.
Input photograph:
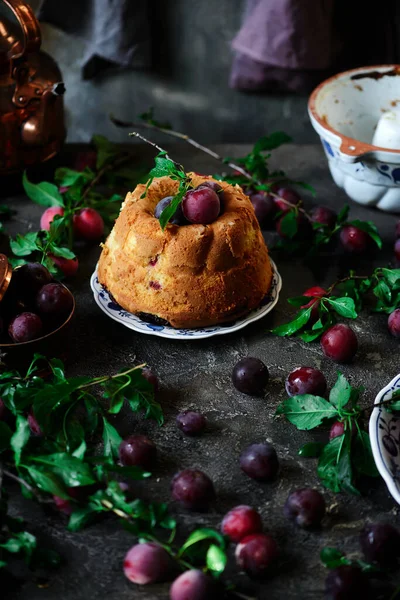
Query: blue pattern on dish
(108, 305)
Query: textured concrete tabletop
(198, 375)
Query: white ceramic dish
(345, 110)
(116, 312)
(384, 432)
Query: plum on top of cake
(209, 265)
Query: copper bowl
(54, 344)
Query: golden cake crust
(193, 275)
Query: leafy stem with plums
(348, 455)
(320, 308)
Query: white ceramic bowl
(345, 110)
(384, 432)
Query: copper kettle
(31, 104)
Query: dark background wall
(187, 85)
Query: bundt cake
(191, 275)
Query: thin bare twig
(192, 142)
(185, 138)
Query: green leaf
(5, 436)
(83, 515)
(135, 473)
(363, 459)
(334, 465)
(63, 252)
(20, 438)
(341, 392)
(111, 440)
(299, 301)
(65, 177)
(311, 449)
(53, 397)
(370, 228)
(46, 481)
(216, 559)
(290, 328)
(73, 471)
(288, 224)
(332, 558)
(169, 211)
(140, 396)
(199, 535)
(383, 292)
(344, 307)
(23, 245)
(44, 193)
(306, 411)
(343, 214)
(20, 542)
(392, 276)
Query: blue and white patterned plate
(384, 431)
(116, 312)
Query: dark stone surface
(198, 375)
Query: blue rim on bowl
(384, 432)
(113, 310)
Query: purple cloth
(281, 43)
(291, 45)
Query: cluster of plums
(34, 304)
(201, 205)
(87, 225)
(270, 209)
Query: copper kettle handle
(29, 25)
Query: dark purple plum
(354, 240)
(336, 430)
(151, 378)
(380, 543)
(25, 327)
(394, 323)
(63, 505)
(240, 522)
(339, 343)
(31, 277)
(193, 585)
(34, 425)
(54, 301)
(306, 507)
(177, 218)
(314, 292)
(260, 461)
(139, 451)
(201, 205)
(323, 216)
(264, 207)
(193, 489)
(213, 185)
(306, 380)
(191, 422)
(148, 563)
(346, 582)
(287, 198)
(256, 553)
(250, 376)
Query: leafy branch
(166, 167)
(344, 298)
(345, 458)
